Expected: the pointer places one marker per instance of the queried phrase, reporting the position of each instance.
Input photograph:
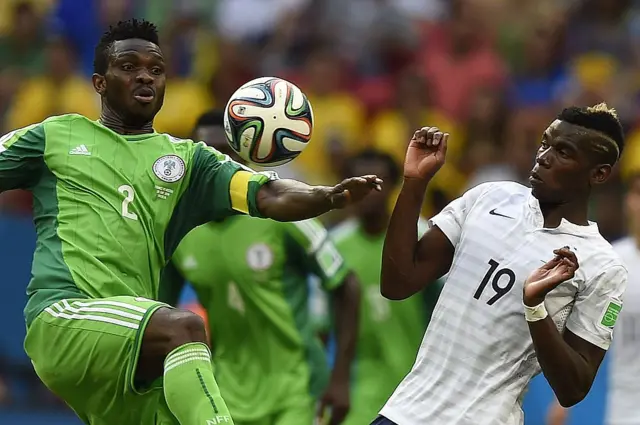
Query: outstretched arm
(291, 200)
(571, 360)
(408, 265)
(220, 187)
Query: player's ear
(99, 83)
(600, 173)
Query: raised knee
(186, 327)
(177, 327)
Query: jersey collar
(565, 225)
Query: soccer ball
(268, 121)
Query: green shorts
(86, 351)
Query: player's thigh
(300, 413)
(86, 351)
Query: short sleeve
(452, 218)
(21, 158)
(322, 257)
(222, 187)
(597, 307)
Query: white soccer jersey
(623, 395)
(477, 356)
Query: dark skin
(132, 92)
(566, 168)
(345, 299)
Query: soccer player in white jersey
(623, 393)
(531, 285)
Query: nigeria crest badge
(169, 168)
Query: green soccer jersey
(110, 209)
(251, 276)
(390, 331)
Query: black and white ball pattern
(268, 121)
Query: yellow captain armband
(238, 190)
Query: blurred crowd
(492, 73)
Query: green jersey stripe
(64, 306)
(91, 317)
(118, 304)
(111, 311)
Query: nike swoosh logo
(493, 212)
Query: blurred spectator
(600, 26)
(234, 23)
(339, 118)
(7, 21)
(22, 48)
(378, 35)
(513, 158)
(58, 91)
(83, 22)
(539, 71)
(459, 55)
(185, 98)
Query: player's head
(632, 204)
(371, 161)
(210, 129)
(577, 151)
(129, 71)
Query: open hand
(426, 153)
(562, 267)
(353, 190)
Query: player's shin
(190, 389)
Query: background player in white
(623, 392)
(493, 328)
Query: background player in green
(112, 199)
(381, 363)
(251, 276)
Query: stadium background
(491, 72)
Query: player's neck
(110, 119)
(574, 212)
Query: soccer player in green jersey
(112, 199)
(251, 276)
(381, 363)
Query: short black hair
(213, 118)
(123, 30)
(371, 154)
(600, 118)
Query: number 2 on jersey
(130, 195)
(500, 291)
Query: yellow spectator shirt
(41, 97)
(184, 101)
(337, 117)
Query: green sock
(190, 389)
